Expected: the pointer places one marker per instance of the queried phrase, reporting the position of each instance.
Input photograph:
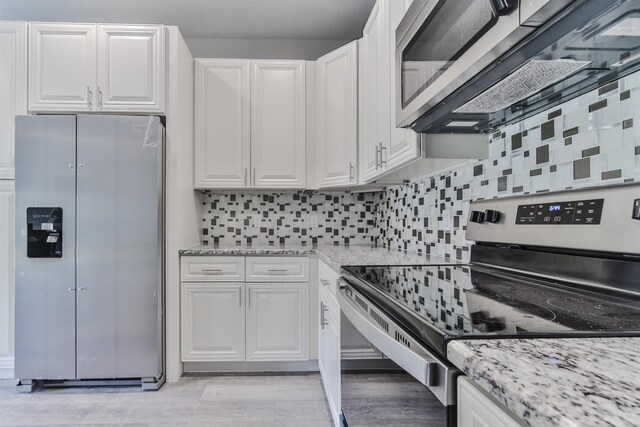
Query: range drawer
(212, 269)
(277, 269)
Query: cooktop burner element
(449, 302)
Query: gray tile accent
(608, 88)
(570, 132)
(597, 105)
(547, 130)
(554, 114)
(477, 170)
(502, 183)
(516, 141)
(626, 124)
(625, 95)
(612, 174)
(535, 172)
(591, 152)
(582, 168)
(542, 154)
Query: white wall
(182, 202)
(262, 48)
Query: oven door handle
(420, 364)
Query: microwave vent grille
(531, 78)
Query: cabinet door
(130, 63)
(7, 277)
(62, 67)
(337, 144)
(372, 128)
(404, 144)
(222, 126)
(477, 410)
(329, 353)
(13, 87)
(277, 322)
(213, 322)
(278, 124)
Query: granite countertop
(557, 382)
(332, 255)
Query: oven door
(426, 388)
(441, 44)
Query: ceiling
(225, 19)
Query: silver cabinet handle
(382, 162)
(99, 97)
(207, 270)
(82, 288)
(350, 171)
(89, 97)
(274, 270)
(246, 170)
(323, 320)
(377, 157)
(71, 289)
(249, 298)
(240, 297)
(254, 177)
(324, 282)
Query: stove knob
(492, 216)
(477, 216)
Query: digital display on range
(576, 212)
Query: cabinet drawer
(277, 269)
(212, 269)
(328, 278)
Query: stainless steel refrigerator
(89, 250)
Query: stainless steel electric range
(563, 264)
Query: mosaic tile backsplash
(297, 218)
(590, 140)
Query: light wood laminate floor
(381, 399)
(258, 400)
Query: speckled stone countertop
(334, 256)
(558, 382)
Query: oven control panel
(575, 212)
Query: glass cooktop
(440, 303)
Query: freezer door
(119, 247)
(45, 282)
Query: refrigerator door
(45, 277)
(119, 247)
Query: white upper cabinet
(383, 147)
(337, 124)
(89, 67)
(62, 67)
(278, 132)
(372, 127)
(250, 124)
(13, 87)
(130, 68)
(404, 145)
(222, 123)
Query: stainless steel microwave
(474, 65)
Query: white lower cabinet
(475, 409)
(7, 277)
(277, 321)
(213, 321)
(329, 351)
(225, 319)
